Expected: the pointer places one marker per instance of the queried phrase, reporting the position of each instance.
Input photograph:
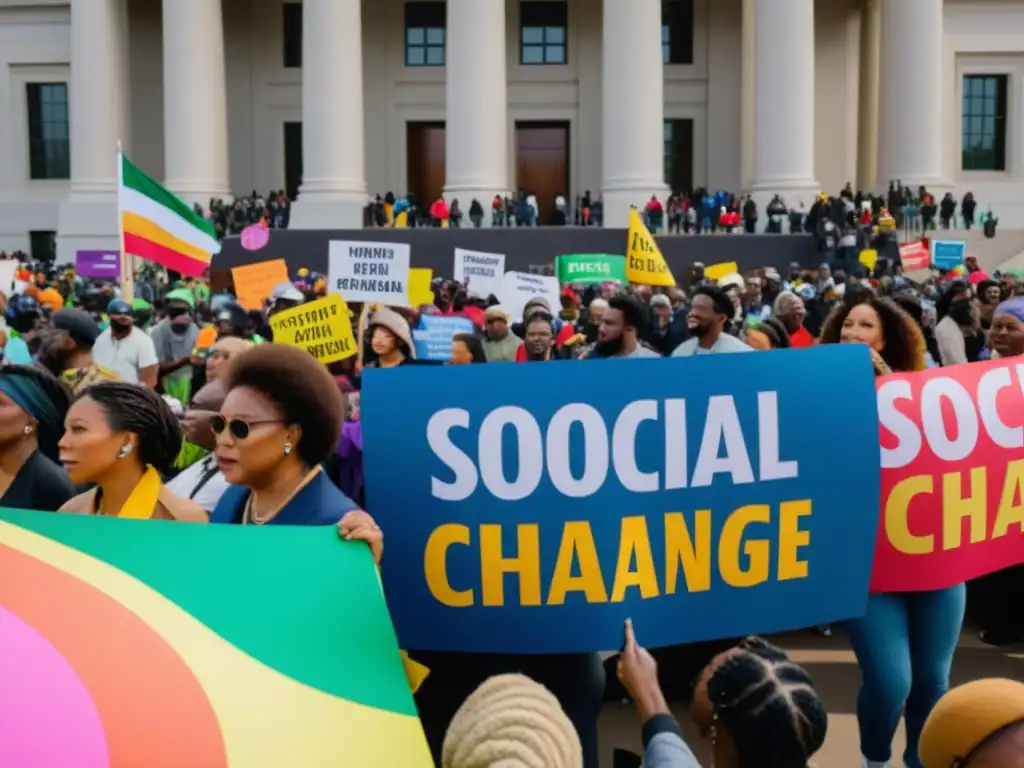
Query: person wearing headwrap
(33, 405)
(511, 721)
(390, 340)
(1006, 335)
(979, 724)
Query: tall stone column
(784, 103)
(748, 87)
(98, 116)
(633, 108)
(476, 127)
(867, 124)
(911, 117)
(195, 101)
(333, 190)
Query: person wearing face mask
(904, 642)
(174, 338)
(125, 349)
(707, 323)
(958, 324)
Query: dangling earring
(287, 448)
(28, 429)
(125, 450)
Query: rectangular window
(43, 245)
(424, 34)
(291, 24)
(984, 122)
(677, 31)
(543, 32)
(49, 145)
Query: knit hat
(496, 312)
(966, 716)
(394, 322)
(513, 722)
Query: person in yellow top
(121, 436)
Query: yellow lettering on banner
(321, 327)
(758, 551)
(495, 565)
(420, 292)
(644, 263)
(254, 283)
(717, 271)
(792, 538)
(634, 541)
(693, 553)
(743, 559)
(955, 507)
(1011, 500)
(897, 510)
(577, 546)
(435, 565)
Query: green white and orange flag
(127, 643)
(158, 226)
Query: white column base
(328, 212)
(793, 193)
(87, 223)
(617, 202)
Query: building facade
(335, 100)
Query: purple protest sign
(254, 237)
(102, 264)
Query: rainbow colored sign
(128, 643)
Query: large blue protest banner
(532, 508)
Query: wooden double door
(542, 164)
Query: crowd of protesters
(178, 406)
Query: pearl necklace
(249, 516)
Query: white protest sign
(8, 269)
(480, 272)
(517, 288)
(373, 272)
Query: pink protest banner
(915, 255)
(952, 451)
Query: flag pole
(126, 261)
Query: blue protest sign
(947, 254)
(432, 337)
(532, 508)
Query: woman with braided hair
(756, 708)
(121, 437)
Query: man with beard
(125, 349)
(708, 322)
(618, 335)
(65, 349)
(174, 338)
(790, 310)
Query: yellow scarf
(142, 502)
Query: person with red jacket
(439, 212)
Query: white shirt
(724, 344)
(127, 356)
(209, 494)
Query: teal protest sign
(590, 269)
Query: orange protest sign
(255, 282)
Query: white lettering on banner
(971, 414)
(374, 272)
(480, 272)
(723, 449)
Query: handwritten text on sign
(322, 327)
(373, 272)
(535, 517)
(482, 272)
(952, 475)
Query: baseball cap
(119, 307)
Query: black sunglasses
(240, 428)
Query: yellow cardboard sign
(321, 327)
(644, 263)
(717, 271)
(868, 257)
(420, 291)
(255, 282)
